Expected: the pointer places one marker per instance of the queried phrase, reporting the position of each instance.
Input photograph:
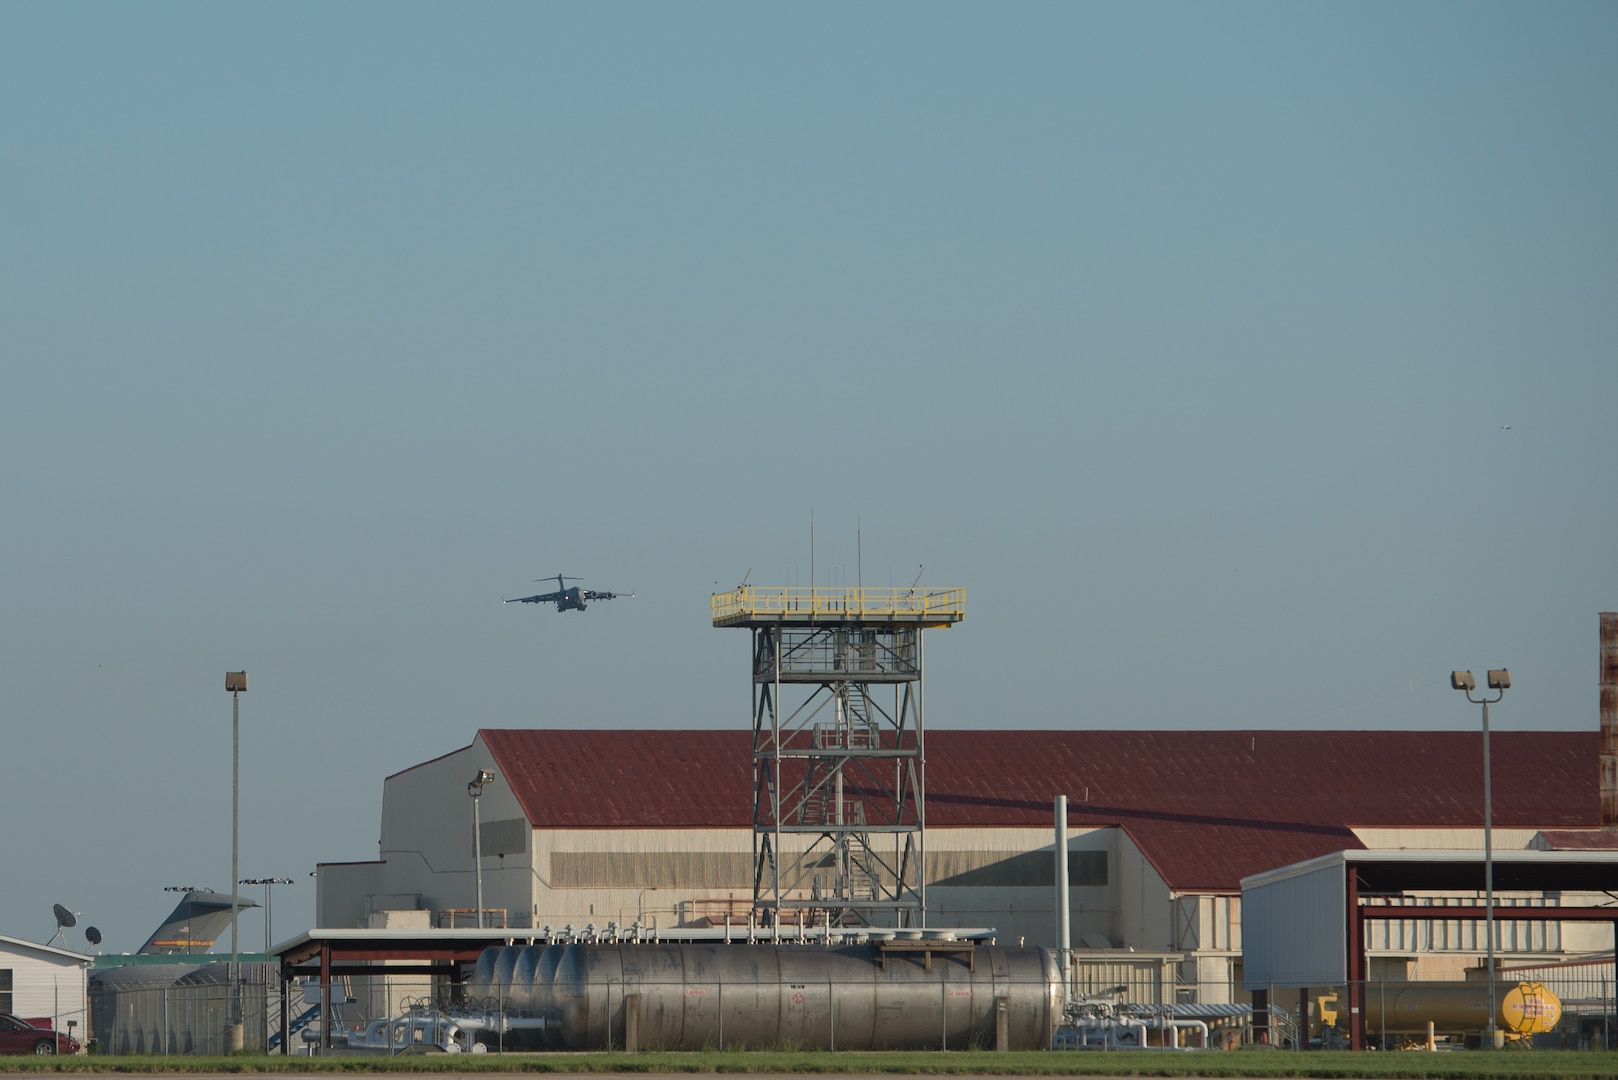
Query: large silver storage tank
(851, 997)
(517, 980)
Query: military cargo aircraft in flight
(567, 598)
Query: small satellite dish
(92, 935)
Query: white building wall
(48, 982)
(1027, 912)
(668, 897)
(425, 848)
(390, 995)
(1143, 901)
(426, 837)
(343, 892)
(1208, 931)
(1443, 839)
(1295, 924)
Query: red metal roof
(1205, 807)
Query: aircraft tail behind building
(196, 923)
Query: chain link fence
(1143, 1005)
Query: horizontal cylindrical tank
(517, 980)
(849, 997)
(1521, 1008)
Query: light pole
(267, 882)
(235, 686)
(475, 789)
(1499, 680)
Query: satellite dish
(64, 919)
(92, 935)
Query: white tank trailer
(668, 996)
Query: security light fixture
(475, 789)
(1462, 680)
(1500, 680)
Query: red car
(17, 1036)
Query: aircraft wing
(591, 594)
(542, 598)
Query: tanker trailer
(1460, 1009)
(670, 996)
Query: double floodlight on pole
(475, 789)
(1500, 681)
(267, 882)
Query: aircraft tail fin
(194, 925)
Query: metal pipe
(1176, 1026)
(235, 758)
(477, 855)
(921, 778)
(1064, 935)
(775, 758)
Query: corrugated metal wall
(734, 870)
(651, 869)
(1146, 979)
(1292, 930)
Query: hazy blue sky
(1184, 336)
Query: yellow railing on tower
(761, 603)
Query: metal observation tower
(839, 760)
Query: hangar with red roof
(653, 828)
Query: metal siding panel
(1292, 931)
(651, 869)
(47, 986)
(506, 837)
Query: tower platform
(871, 606)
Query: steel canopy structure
(1290, 912)
(839, 771)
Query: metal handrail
(859, 602)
